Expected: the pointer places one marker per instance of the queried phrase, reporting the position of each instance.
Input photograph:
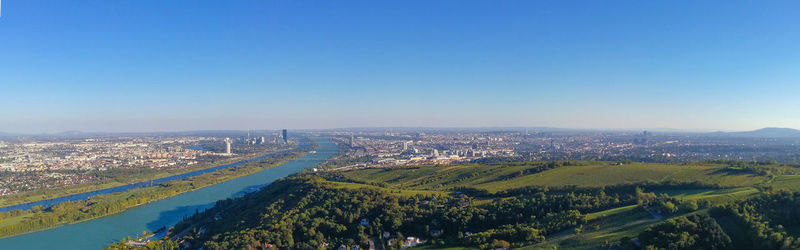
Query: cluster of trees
(685, 232)
(306, 211)
(500, 237)
(662, 204)
(760, 168)
(658, 204)
(102, 205)
(736, 163)
(767, 219)
(152, 245)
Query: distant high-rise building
(643, 138)
(227, 145)
(285, 138)
(352, 141)
(263, 140)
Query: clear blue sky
(146, 65)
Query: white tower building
(227, 145)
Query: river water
(83, 196)
(97, 233)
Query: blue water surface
(100, 232)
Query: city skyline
(149, 66)
(789, 132)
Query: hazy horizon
(151, 66)
(399, 128)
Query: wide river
(97, 233)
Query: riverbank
(54, 193)
(113, 178)
(108, 204)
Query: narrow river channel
(97, 233)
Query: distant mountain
(764, 133)
(4, 134)
(70, 133)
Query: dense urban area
(41, 162)
(387, 148)
(45, 162)
(403, 188)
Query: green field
(611, 212)
(496, 177)
(14, 219)
(714, 195)
(786, 182)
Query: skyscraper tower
(227, 145)
(285, 139)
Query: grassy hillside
(496, 177)
(576, 205)
(785, 182)
(723, 184)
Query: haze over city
(126, 66)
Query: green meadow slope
(720, 184)
(496, 177)
(529, 205)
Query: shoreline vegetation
(529, 205)
(39, 218)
